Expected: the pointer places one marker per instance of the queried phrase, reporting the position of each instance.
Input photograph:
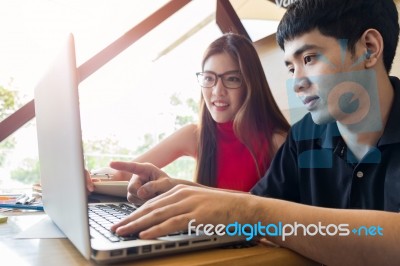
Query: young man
(337, 177)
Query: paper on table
(45, 228)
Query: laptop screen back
(60, 148)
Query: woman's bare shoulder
(278, 138)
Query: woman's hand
(89, 182)
(103, 175)
(147, 181)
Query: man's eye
(307, 59)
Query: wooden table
(61, 252)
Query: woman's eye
(209, 78)
(233, 79)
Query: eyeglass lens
(230, 80)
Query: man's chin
(321, 119)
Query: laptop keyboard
(102, 217)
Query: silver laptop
(63, 181)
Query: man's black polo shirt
(315, 167)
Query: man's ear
(372, 42)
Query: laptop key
(113, 238)
(129, 237)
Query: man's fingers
(139, 193)
(132, 198)
(134, 186)
(158, 205)
(151, 216)
(153, 188)
(174, 224)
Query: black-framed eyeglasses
(230, 79)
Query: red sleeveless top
(236, 168)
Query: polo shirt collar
(329, 136)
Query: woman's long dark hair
(258, 117)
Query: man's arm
(375, 240)
(173, 210)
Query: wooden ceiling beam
(227, 19)
(27, 112)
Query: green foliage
(147, 143)
(193, 105)
(6, 147)
(8, 99)
(7, 102)
(183, 168)
(182, 120)
(174, 100)
(99, 153)
(191, 110)
(28, 172)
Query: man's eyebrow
(301, 50)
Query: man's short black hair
(343, 19)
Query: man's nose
(300, 84)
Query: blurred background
(131, 103)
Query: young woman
(240, 126)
